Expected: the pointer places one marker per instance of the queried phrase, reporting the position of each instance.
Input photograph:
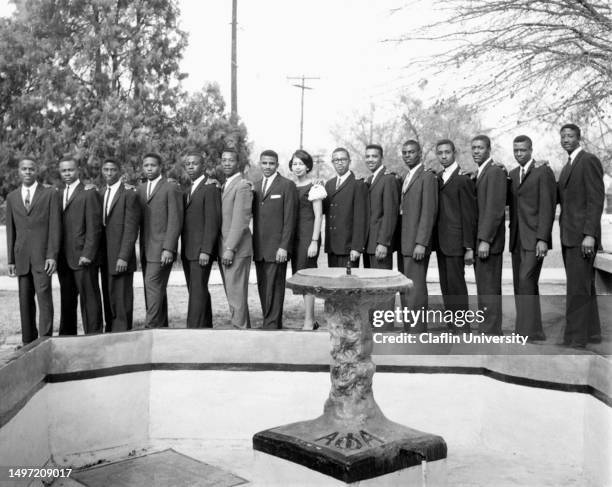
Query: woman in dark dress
(308, 226)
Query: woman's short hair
(303, 156)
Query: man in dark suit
(384, 204)
(33, 234)
(346, 214)
(120, 218)
(455, 233)
(79, 256)
(491, 189)
(532, 198)
(418, 209)
(274, 216)
(199, 239)
(236, 239)
(581, 195)
(160, 227)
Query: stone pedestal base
(351, 454)
(281, 473)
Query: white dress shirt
(151, 185)
(108, 197)
(446, 174)
(230, 179)
(482, 167)
(196, 183)
(377, 172)
(572, 156)
(340, 179)
(269, 181)
(69, 190)
(24, 192)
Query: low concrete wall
(603, 273)
(114, 394)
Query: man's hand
(50, 266)
(381, 252)
(588, 247)
(166, 257)
(541, 249)
(468, 257)
(418, 253)
(204, 259)
(11, 270)
(281, 256)
(84, 261)
(89, 186)
(354, 255)
(312, 249)
(228, 257)
(483, 250)
(121, 266)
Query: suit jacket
(121, 230)
(33, 236)
(532, 207)
(236, 212)
(384, 208)
(81, 226)
(491, 189)
(346, 216)
(274, 217)
(457, 215)
(161, 220)
(581, 195)
(419, 211)
(202, 222)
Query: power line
(303, 87)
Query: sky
(342, 42)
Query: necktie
(406, 182)
(522, 175)
(265, 187)
(106, 203)
(149, 189)
(27, 199)
(66, 192)
(569, 160)
(337, 182)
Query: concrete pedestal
(352, 441)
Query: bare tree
(410, 118)
(556, 53)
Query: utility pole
(234, 101)
(303, 87)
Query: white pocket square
(275, 196)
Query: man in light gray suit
(236, 240)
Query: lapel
(112, 204)
(159, 184)
(568, 170)
(269, 188)
(77, 190)
(227, 189)
(484, 171)
(526, 174)
(452, 176)
(349, 178)
(376, 179)
(35, 197)
(417, 175)
(189, 196)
